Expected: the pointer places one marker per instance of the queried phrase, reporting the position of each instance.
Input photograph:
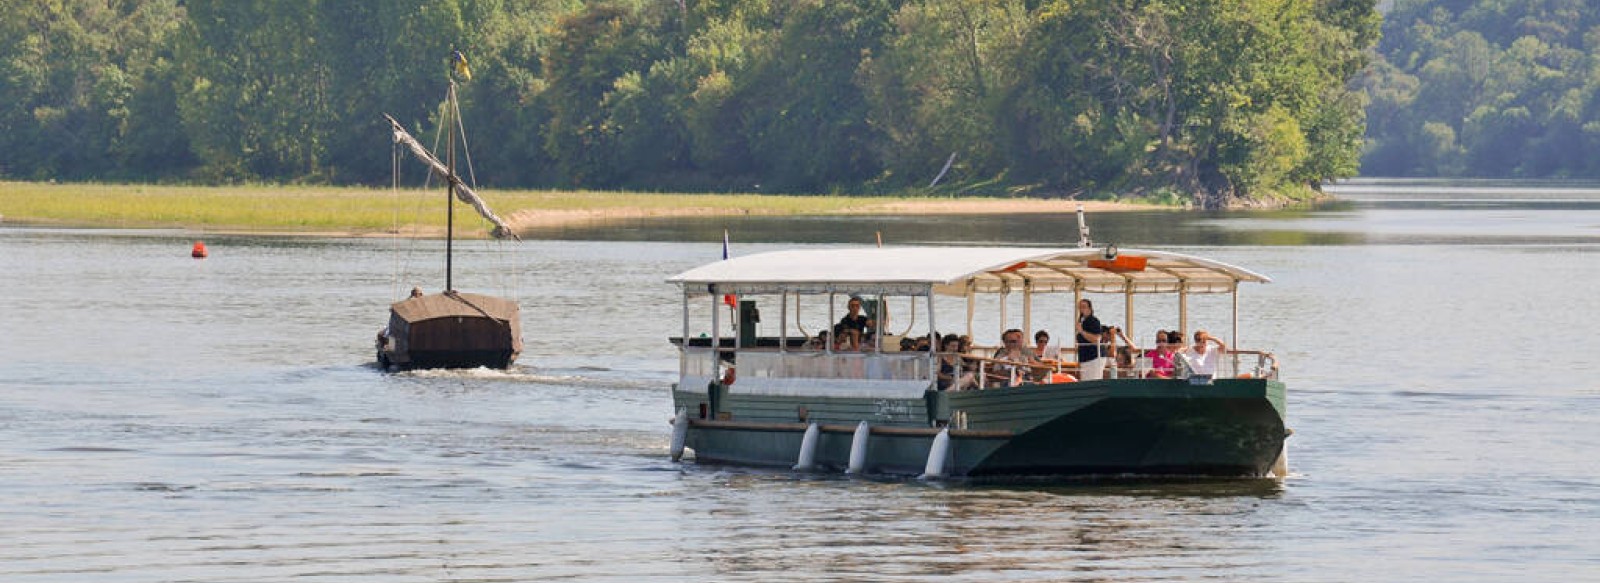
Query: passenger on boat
(1161, 357)
(1091, 357)
(416, 292)
(1199, 358)
(819, 343)
(1014, 351)
(1175, 344)
(1043, 349)
(1120, 355)
(953, 373)
(853, 327)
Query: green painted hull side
(1232, 428)
(1147, 427)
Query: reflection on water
(983, 532)
(166, 419)
(869, 530)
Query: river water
(168, 419)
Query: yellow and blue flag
(458, 62)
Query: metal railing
(985, 372)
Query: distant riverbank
(360, 211)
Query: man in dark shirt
(852, 328)
(1091, 360)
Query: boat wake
(580, 377)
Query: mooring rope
(453, 294)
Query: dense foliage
(1223, 99)
(1487, 88)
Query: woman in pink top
(1161, 357)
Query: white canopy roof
(953, 270)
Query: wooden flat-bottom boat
(451, 330)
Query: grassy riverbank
(373, 211)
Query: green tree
(293, 90)
(384, 57)
(504, 105)
(1485, 88)
(255, 102)
(722, 52)
(592, 52)
(73, 74)
(1224, 100)
(1074, 119)
(935, 90)
(804, 117)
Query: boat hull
(429, 359)
(1234, 427)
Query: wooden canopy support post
(971, 306)
(1233, 340)
(1183, 310)
(1027, 307)
(880, 322)
(1005, 294)
(1127, 304)
(799, 324)
(831, 339)
(933, 342)
(716, 334)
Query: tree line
(1486, 88)
(1221, 100)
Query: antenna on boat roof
(1083, 230)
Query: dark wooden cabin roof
(455, 304)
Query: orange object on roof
(1119, 263)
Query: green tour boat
(875, 394)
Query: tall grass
(353, 209)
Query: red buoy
(199, 251)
